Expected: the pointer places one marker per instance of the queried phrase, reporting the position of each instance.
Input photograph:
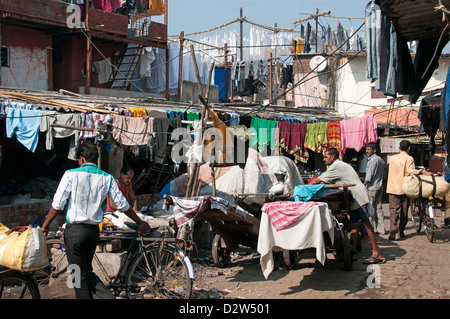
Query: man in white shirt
(82, 193)
(339, 172)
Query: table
(306, 232)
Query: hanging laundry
(292, 140)
(156, 7)
(300, 44)
(24, 124)
(162, 128)
(105, 70)
(316, 137)
(91, 120)
(264, 133)
(223, 150)
(357, 132)
(52, 117)
(334, 136)
(107, 5)
(132, 131)
(137, 111)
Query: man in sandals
(339, 172)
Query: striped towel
(187, 208)
(282, 214)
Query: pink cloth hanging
(107, 5)
(357, 132)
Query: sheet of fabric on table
(305, 232)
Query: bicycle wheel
(58, 261)
(16, 285)
(161, 273)
(417, 211)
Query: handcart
(338, 199)
(233, 232)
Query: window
(5, 57)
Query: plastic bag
(23, 248)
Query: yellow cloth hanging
(137, 111)
(223, 148)
(156, 7)
(300, 45)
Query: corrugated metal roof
(416, 19)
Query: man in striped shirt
(82, 193)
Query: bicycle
(422, 214)
(160, 269)
(15, 284)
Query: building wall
(355, 93)
(352, 93)
(29, 53)
(71, 58)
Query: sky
(199, 15)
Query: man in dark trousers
(84, 191)
(400, 165)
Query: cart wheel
(221, 256)
(348, 251)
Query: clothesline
(138, 128)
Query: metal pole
(241, 35)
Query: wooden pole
(270, 79)
(180, 65)
(166, 20)
(87, 89)
(211, 69)
(231, 79)
(226, 73)
(197, 74)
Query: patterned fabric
(90, 120)
(334, 136)
(282, 214)
(186, 209)
(292, 140)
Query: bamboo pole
(53, 102)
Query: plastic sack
(23, 248)
(416, 186)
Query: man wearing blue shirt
(374, 183)
(82, 193)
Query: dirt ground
(415, 269)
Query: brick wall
(25, 214)
(300, 66)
